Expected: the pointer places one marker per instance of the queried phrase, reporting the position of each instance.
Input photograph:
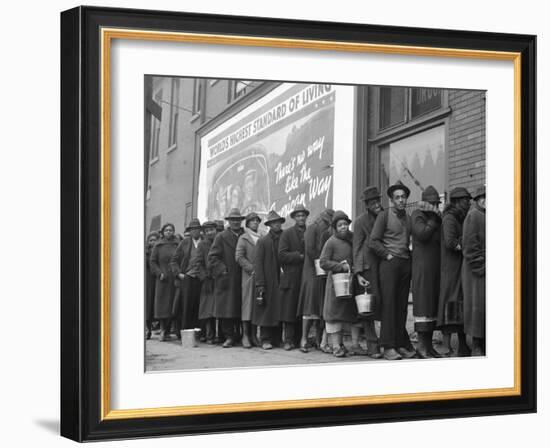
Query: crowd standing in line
(281, 288)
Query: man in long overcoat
(365, 262)
(227, 274)
(312, 289)
(390, 240)
(450, 317)
(265, 309)
(291, 257)
(473, 273)
(189, 285)
(199, 265)
(426, 269)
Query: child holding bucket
(340, 309)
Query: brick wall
(466, 139)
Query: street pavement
(171, 355)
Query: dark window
(197, 96)
(424, 100)
(174, 112)
(392, 106)
(155, 223)
(155, 130)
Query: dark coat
(473, 272)
(426, 267)
(267, 275)
(365, 260)
(451, 300)
(312, 289)
(180, 262)
(245, 254)
(334, 252)
(150, 280)
(291, 259)
(199, 264)
(227, 274)
(164, 289)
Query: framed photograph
(277, 224)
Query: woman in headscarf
(336, 257)
(164, 285)
(245, 255)
(312, 290)
(150, 278)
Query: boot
(463, 349)
(422, 349)
(246, 332)
(373, 350)
(209, 330)
(477, 347)
(447, 350)
(430, 344)
(254, 338)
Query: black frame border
(81, 223)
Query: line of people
(240, 285)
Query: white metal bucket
(365, 303)
(190, 337)
(318, 269)
(342, 285)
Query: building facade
(270, 145)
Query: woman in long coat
(312, 290)
(450, 317)
(337, 257)
(473, 273)
(199, 264)
(265, 314)
(245, 255)
(164, 285)
(150, 280)
(227, 275)
(426, 269)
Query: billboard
(273, 155)
(276, 157)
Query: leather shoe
(287, 346)
(406, 354)
(267, 346)
(391, 354)
(432, 351)
(228, 343)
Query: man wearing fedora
(426, 269)
(390, 240)
(450, 317)
(473, 272)
(187, 277)
(199, 263)
(365, 262)
(227, 276)
(291, 257)
(267, 270)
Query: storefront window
(392, 106)
(417, 161)
(424, 100)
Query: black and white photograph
(290, 223)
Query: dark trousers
(229, 328)
(395, 279)
(190, 298)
